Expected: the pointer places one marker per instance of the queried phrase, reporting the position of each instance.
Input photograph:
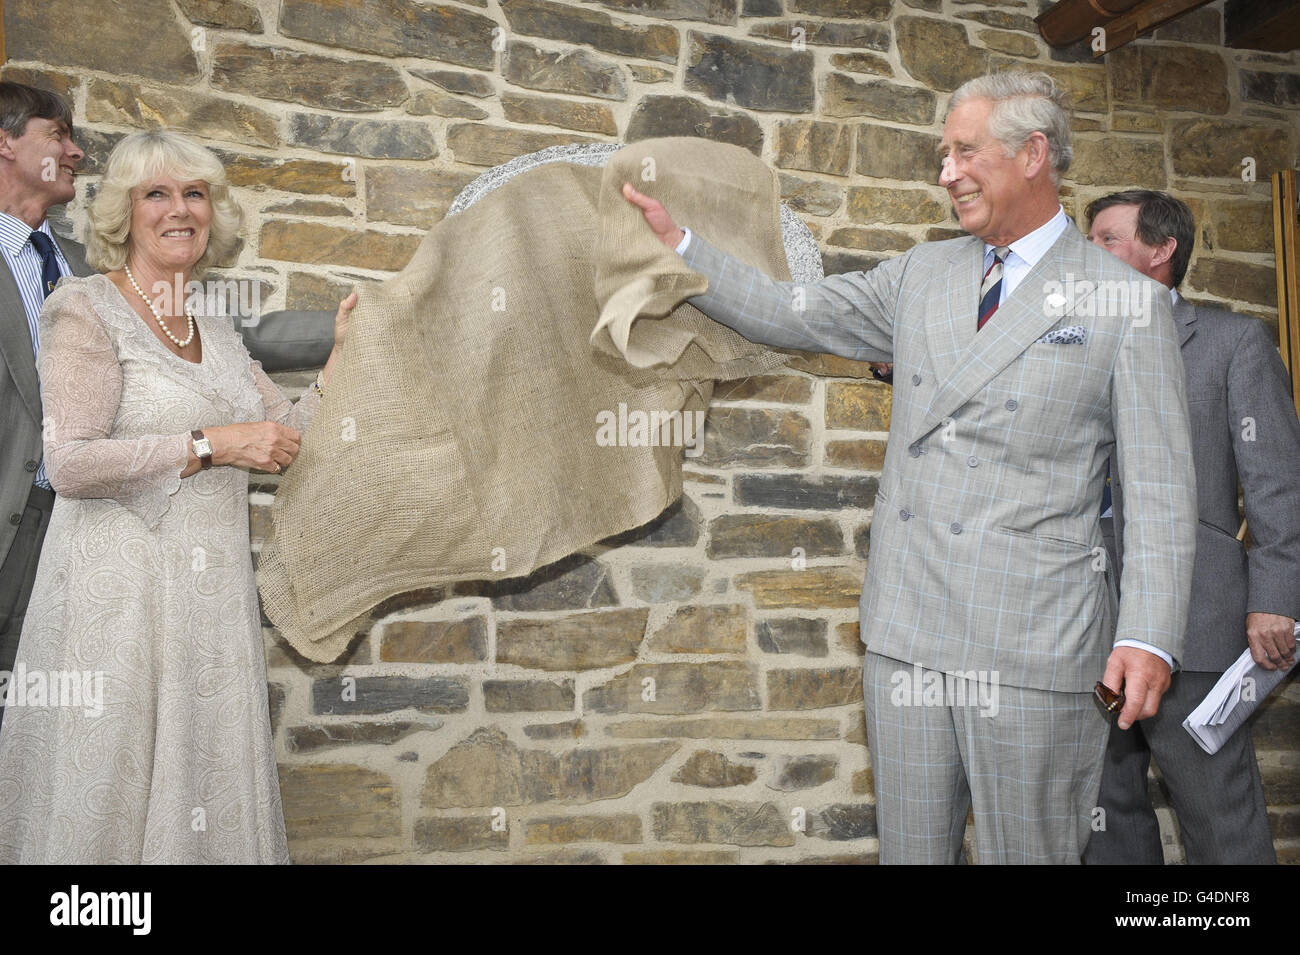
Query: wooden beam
(1272, 25)
(1286, 246)
(1143, 19)
(1071, 20)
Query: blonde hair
(148, 155)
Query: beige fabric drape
(458, 436)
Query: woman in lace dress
(152, 742)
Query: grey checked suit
(985, 536)
(1244, 427)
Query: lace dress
(145, 590)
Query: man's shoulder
(943, 248)
(1220, 317)
(76, 289)
(1223, 327)
(923, 258)
(74, 252)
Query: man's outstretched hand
(1142, 676)
(656, 216)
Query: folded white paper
(1243, 686)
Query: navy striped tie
(991, 288)
(50, 273)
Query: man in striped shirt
(38, 167)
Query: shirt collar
(1032, 247)
(15, 233)
(1173, 297)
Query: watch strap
(205, 460)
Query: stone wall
(692, 691)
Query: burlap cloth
(458, 436)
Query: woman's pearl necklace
(189, 316)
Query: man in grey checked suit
(986, 558)
(1244, 428)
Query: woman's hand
(253, 445)
(656, 216)
(341, 318)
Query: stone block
(708, 628)
(487, 769)
(714, 770)
(580, 641)
(321, 82)
(801, 636)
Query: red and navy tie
(991, 288)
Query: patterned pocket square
(1069, 335)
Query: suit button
(15, 519)
(916, 379)
(973, 461)
(31, 465)
(902, 515)
(1012, 404)
(914, 451)
(956, 528)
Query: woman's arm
(298, 414)
(81, 390)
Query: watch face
(202, 448)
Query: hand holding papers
(1241, 688)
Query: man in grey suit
(1244, 429)
(38, 164)
(1014, 379)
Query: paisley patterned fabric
(145, 590)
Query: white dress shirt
(1026, 251)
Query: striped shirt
(25, 265)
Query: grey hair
(142, 156)
(1023, 104)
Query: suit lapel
(16, 344)
(75, 253)
(16, 339)
(950, 321)
(1185, 318)
(1020, 320)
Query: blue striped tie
(991, 289)
(50, 273)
